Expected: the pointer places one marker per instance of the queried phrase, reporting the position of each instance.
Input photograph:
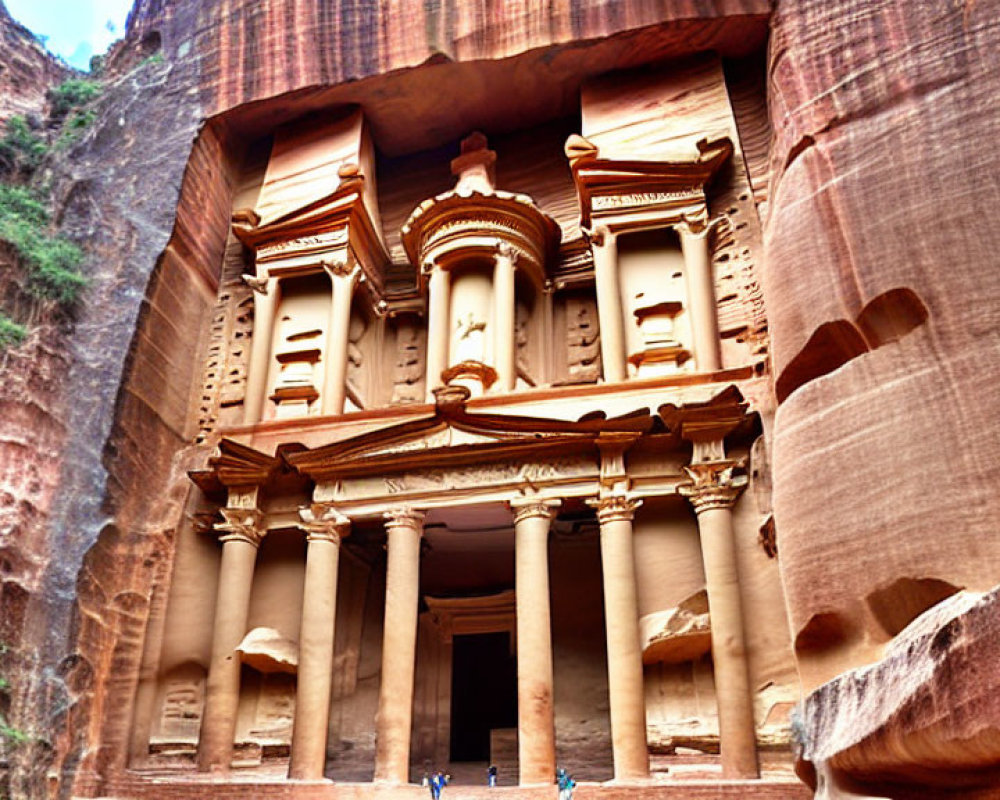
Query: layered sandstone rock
(878, 299)
(921, 721)
(114, 488)
(882, 316)
(26, 69)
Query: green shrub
(76, 123)
(51, 262)
(71, 94)
(21, 149)
(11, 335)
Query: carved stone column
(535, 718)
(621, 612)
(324, 528)
(265, 302)
(712, 492)
(701, 296)
(438, 327)
(404, 527)
(504, 336)
(609, 304)
(343, 279)
(243, 529)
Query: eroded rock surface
(26, 69)
(886, 434)
(925, 718)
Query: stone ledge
(193, 788)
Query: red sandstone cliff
(26, 69)
(878, 292)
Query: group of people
(439, 780)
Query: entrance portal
(483, 693)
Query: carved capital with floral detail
(241, 525)
(714, 484)
(615, 508)
(404, 517)
(323, 523)
(528, 508)
(341, 265)
(506, 250)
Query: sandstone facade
(582, 378)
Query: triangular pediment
(458, 437)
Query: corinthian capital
(404, 517)
(506, 250)
(714, 484)
(615, 508)
(527, 509)
(241, 525)
(323, 523)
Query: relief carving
(224, 381)
(471, 339)
(275, 709)
(299, 353)
(356, 358)
(583, 340)
(183, 702)
(409, 367)
(504, 472)
(522, 323)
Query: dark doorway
(483, 693)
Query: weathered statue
(471, 339)
(409, 367)
(583, 341)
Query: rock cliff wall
(883, 322)
(884, 333)
(26, 69)
(106, 434)
(879, 294)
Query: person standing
(565, 783)
(491, 776)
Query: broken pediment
(318, 205)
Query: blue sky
(76, 29)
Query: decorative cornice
(322, 523)
(404, 517)
(714, 484)
(615, 508)
(241, 525)
(533, 508)
(630, 194)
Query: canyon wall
(878, 284)
(96, 477)
(880, 297)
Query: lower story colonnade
(712, 483)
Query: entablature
(453, 455)
(632, 195)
